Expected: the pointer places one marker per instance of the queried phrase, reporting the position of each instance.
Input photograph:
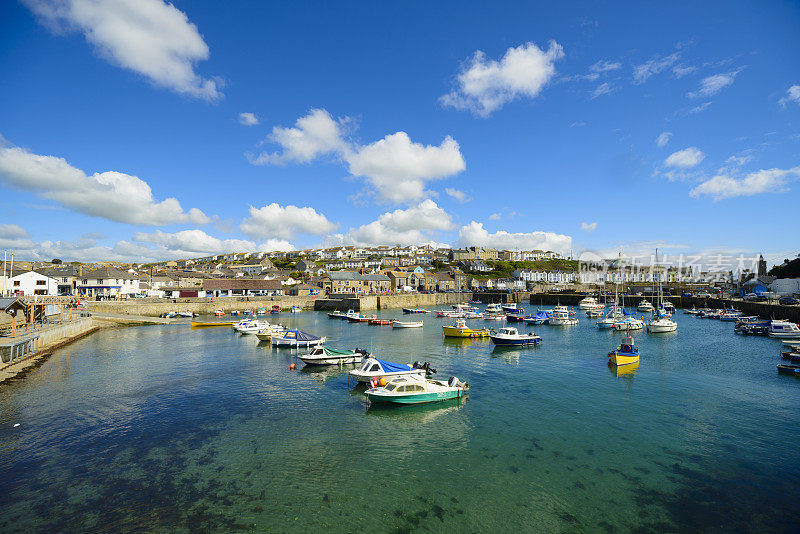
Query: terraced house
(107, 282)
(354, 282)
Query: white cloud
(699, 109)
(495, 217)
(275, 221)
(764, 181)
(711, 85)
(111, 195)
(399, 168)
(150, 37)
(589, 227)
(739, 160)
(197, 242)
(792, 95)
(663, 139)
(602, 89)
(395, 166)
(605, 66)
(475, 234)
(314, 135)
(12, 231)
(682, 70)
(414, 225)
(248, 119)
(461, 196)
(685, 159)
(641, 73)
(485, 85)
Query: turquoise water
(169, 428)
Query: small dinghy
(414, 310)
(626, 354)
(789, 369)
(510, 336)
(327, 356)
(372, 367)
(219, 313)
(407, 324)
(416, 390)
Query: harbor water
(179, 429)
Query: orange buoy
(291, 367)
(382, 382)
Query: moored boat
(296, 338)
(494, 316)
(587, 303)
(626, 354)
(460, 329)
(200, 324)
(789, 369)
(380, 322)
(322, 355)
(628, 323)
(407, 324)
(644, 306)
(275, 308)
(561, 317)
(493, 308)
(372, 367)
(416, 390)
(540, 317)
(296, 309)
(511, 336)
(414, 310)
(266, 333)
(219, 313)
(784, 330)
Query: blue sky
(576, 127)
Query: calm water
(168, 428)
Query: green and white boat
(413, 389)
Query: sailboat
(615, 313)
(661, 321)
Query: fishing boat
(416, 390)
(511, 336)
(219, 313)
(693, 311)
(562, 318)
(509, 307)
(372, 367)
(587, 303)
(414, 310)
(296, 338)
(594, 313)
(275, 308)
(789, 369)
(730, 315)
(453, 314)
(540, 317)
(515, 317)
(493, 308)
(250, 326)
(261, 311)
(358, 318)
(626, 354)
(247, 312)
(322, 355)
(494, 316)
(628, 323)
(460, 329)
(790, 355)
(296, 309)
(752, 329)
(406, 324)
(784, 330)
(644, 307)
(266, 333)
(337, 315)
(473, 315)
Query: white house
(107, 282)
(32, 283)
(785, 286)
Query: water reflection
(624, 371)
(416, 413)
(323, 373)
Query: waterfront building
(32, 283)
(230, 287)
(355, 282)
(107, 282)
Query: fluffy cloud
(764, 181)
(457, 194)
(399, 168)
(111, 195)
(197, 242)
(314, 135)
(641, 73)
(150, 37)
(663, 139)
(275, 221)
(682, 70)
(495, 217)
(414, 225)
(12, 231)
(485, 85)
(602, 89)
(792, 95)
(712, 85)
(395, 166)
(685, 159)
(475, 234)
(589, 227)
(248, 119)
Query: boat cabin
(510, 331)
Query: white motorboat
(783, 330)
(511, 336)
(562, 317)
(250, 326)
(321, 355)
(588, 303)
(296, 338)
(509, 307)
(416, 390)
(372, 367)
(406, 324)
(266, 333)
(629, 323)
(661, 321)
(493, 308)
(667, 305)
(296, 309)
(645, 307)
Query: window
(99, 281)
(64, 280)
(41, 282)
(16, 283)
(85, 281)
(376, 367)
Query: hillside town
(363, 271)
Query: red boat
(383, 322)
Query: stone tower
(762, 265)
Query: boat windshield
(391, 387)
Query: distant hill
(787, 270)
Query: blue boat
(509, 336)
(540, 317)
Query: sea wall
(155, 307)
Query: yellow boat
(203, 324)
(462, 330)
(626, 354)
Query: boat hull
(452, 331)
(417, 398)
(621, 358)
(507, 342)
(331, 360)
(366, 377)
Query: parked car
(686, 294)
(750, 296)
(788, 301)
